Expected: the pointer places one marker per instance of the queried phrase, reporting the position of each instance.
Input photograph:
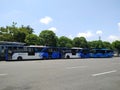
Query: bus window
(31, 51)
(73, 51)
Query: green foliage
(64, 42)
(80, 42)
(19, 36)
(48, 38)
(107, 45)
(116, 46)
(76, 42)
(96, 44)
(13, 33)
(32, 39)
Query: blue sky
(71, 18)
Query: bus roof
(36, 46)
(11, 43)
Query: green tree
(26, 29)
(6, 34)
(80, 42)
(83, 42)
(48, 38)
(64, 42)
(13, 33)
(116, 46)
(76, 42)
(96, 44)
(32, 39)
(107, 45)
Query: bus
(85, 53)
(27, 53)
(52, 53)
(101, 53)
(38, 52)
(77, 53)
(7, 48)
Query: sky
(70, 18)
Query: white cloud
(53, 29)
(46, 20)
(99, 32)
(85, 34)
(113, 38)
(119, 26)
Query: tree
(76, 42)
(107, 45)
(64, 42)
(32, 39)
(26, 29)
(80, 42)
(96, 44)
(83, 42)
(6, 34)
(48, 37)
(19, 36)
(116, 46)
(13, 33)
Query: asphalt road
(68, 74)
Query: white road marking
(76, 67)
(3, 74)
(108, 72)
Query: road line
(76, 67)
(103, 73)
(3, 74)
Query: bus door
(31, 51)
(2, 53)
(73, 51)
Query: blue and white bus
(72, 53)
(27, 53)
(38, 52)
(7, 48)
(101, 53)
(77, 53)
(51, 53)
(85, 53)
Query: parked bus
(18, 51)
(28, 52)
(72, 53)
(7, 48)
(77, 53)
(85, 53)
(101, 53)
(52, 53)
(38, 52)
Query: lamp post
(99, 32)
(99, 37)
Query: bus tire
(68, 57)
(19, 58)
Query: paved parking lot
(68, 74)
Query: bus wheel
(68, 57)
(19, 58)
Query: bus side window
(31, 51)
(74, 52)
(50, 51)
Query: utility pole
(99, 38)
